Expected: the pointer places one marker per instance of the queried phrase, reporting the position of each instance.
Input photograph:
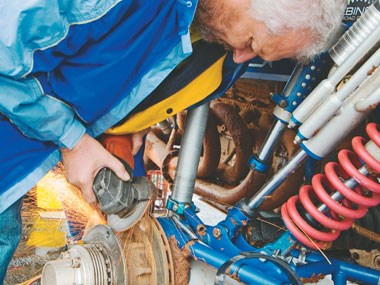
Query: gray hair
(322, 17)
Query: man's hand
(137, 140)
(83, 162)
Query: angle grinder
(124, 202)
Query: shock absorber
(346, 191)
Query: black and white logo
(355, 9)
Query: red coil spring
(340, 216)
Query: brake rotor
(147, 254)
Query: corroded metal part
(367, 258)
(228, 116)
(147, 254)
(157, 152)
(228, 196)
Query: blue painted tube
(340, 270)
(234, 221)
(246, 274)
(320, 267)
(340, 279)
(359, 273)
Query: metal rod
(277, 179)
(189, 154)
(350, 183)
(271, 141)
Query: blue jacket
(73, 66)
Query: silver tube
(336, 196)
(277, 179)
(189, 154)
(355, 56)
(271, 141)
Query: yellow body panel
(47, 233)
(198, 89)
(47, 197)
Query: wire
(32, 280)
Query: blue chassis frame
(216, 250)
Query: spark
(54, 214)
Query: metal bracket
(175, 206)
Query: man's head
(271, 29)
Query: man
(71, 69)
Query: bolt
(283, 103)
(355, 255)
(216, 232)
(75, 263)
(201, 230)
(377, 261)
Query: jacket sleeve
(38, 115)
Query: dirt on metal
(181, 259)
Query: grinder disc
(122, 224)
